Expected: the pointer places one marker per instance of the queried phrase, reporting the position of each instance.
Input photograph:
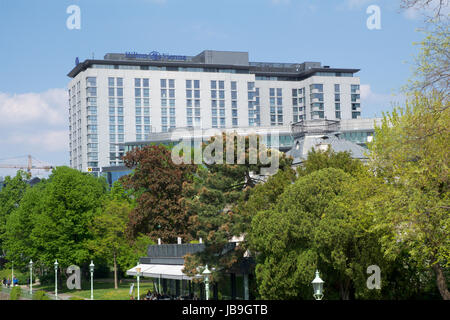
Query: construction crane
(29, 166)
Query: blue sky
(38, 50)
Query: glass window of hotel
(214, 112)
(91, 81)
(214, 103)
(337, 88)
(111, 110)
(213, 94)
(197, 93)
(337, 106)
(234, 104)
(222, 94)
(222, 103)
(146, 111)
(338, 114)
(188, 84)
(197, 84)
(233, 95)
(213, 84)
(146, 102)
(120, 102)
(163, 93)
(233, 85)
(172, 102)
(337, 97)
(171, 83)
(188, 93)
(189, 112)
(250, 86)
(146, 129)
(111, 82)
(138, 111)
(294, 92)
(355, 87)
(163, 102)
(163, 83)
(197, 103)
(146, 92)
(119, 82)
(189, 103)
(145, 83)
(221, 84)
(120, 111)
(120, 129)
(171, 93)
(272, 92)
(137, 82)
(120, 92)
(197, 112)
(355, 97)
(279, 92)
(137, 92)
(317, 86)
(120, 119)
(138, 102)
(279, 101)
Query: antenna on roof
(93, 56)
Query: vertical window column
(234, 109)
(91, 111)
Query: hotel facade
(128, 98)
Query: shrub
(15, 293)
(40, 295)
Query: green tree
(411, 153)
(63, 214)
(314, 224)
(108, 228)
(10, 197)
(214, 194)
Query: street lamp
(138, 274)
(318, 286)
(31, 276)
(56, 279)
(91, 268)
(207, 273)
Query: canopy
(163, 271)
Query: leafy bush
(15, 293)
(40, 295)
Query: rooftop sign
(154, 55)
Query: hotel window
(189, 104)
(276, 113)
(337, 88)
(252, 114)
(297, 104)
(171, 92)
(217, 99)
(141, 90)
(355, 88)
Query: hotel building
(128, 98)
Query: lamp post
(31, 276)
(91, 268)
(206, 273)
(318, 286)
(56, 279)
(138, 274)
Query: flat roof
(210, 59)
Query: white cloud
(35, 123)
(49, 107)
(374, 103)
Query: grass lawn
(103, 290)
